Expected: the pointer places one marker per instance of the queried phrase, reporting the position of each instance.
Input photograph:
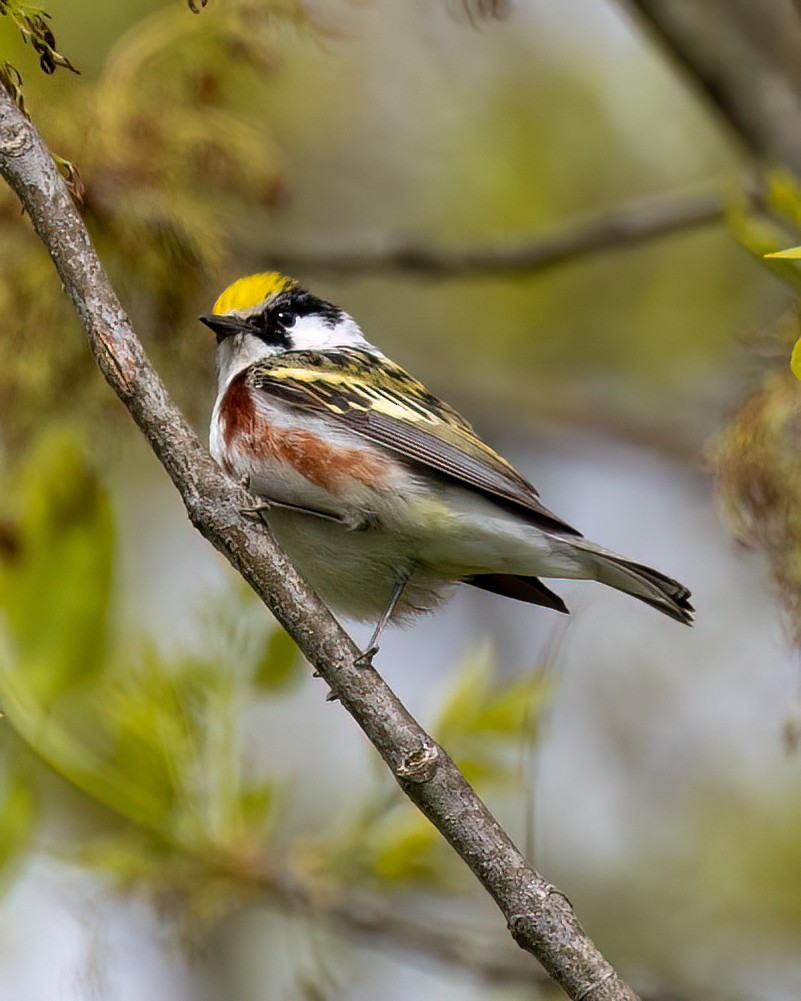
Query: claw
(254, 513)
(365, 659)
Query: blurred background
(553, 214)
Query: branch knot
(419, 765)
(16, 139)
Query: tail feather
(654, 588)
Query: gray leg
(365, 659)
(270, 505)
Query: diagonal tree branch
(538, 915)
(626, 226)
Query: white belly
(354, 572)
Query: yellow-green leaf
(795, 360)
(792, 253)
(279, 667)
(407, 851)
(55, 591)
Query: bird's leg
(268, 505)
(366, 659)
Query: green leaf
(513, 709)
(793, 254)
(257, 803)
(763, 231)
(458, 715)
(56, 589)
(406, 849)
(280, 665)
(483, 721)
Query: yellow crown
(252, 290)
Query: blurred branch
(365, 919)
(481, 10)
(745, 57)
(538, 915)
(368, 921)
(630, 224)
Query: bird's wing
(379, 401)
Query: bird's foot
(365, 659)
(255, 513)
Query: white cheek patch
(312, 333)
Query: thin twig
(538, 916)
(626, 226)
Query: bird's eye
(285, 317)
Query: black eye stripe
(266, 327)
(300, 304)
(273, 324)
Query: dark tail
(654, 588)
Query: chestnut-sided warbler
(383, 496)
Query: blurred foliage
(154, 746)
(486, 8)
(18, 814)
(758, 464)
(758, 456)
(753, 838)
(34, 28)
(630, 331)
(155, 740)
(188, 144)
(62, 526)
(169, 156)
(11, 81)
(199, 157)
(764, 223)
(741, 855)
(485, 724)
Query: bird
(382, 495)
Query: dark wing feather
(382, 403)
